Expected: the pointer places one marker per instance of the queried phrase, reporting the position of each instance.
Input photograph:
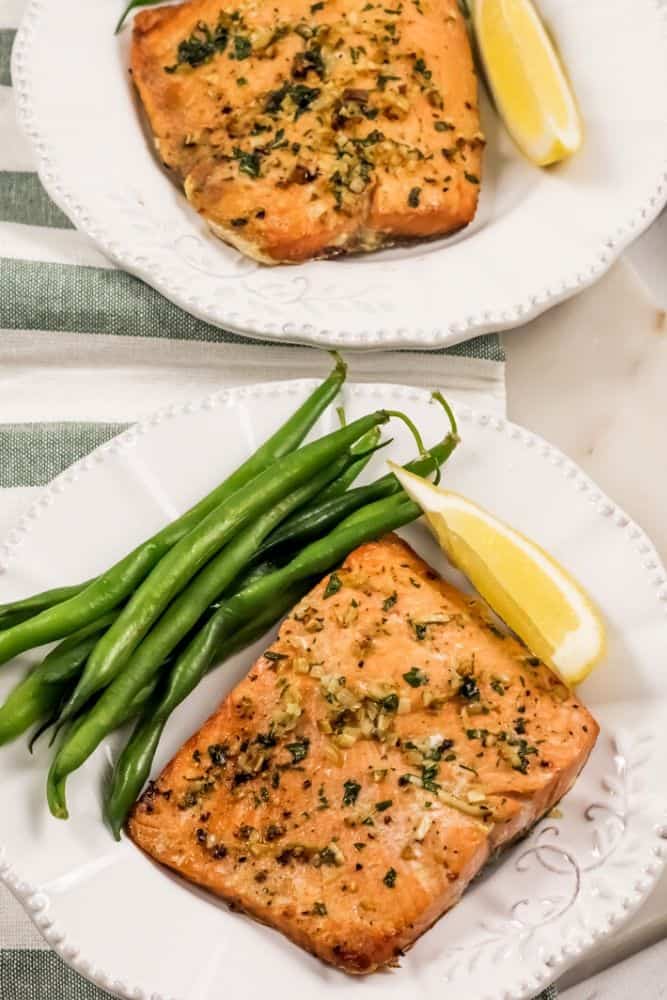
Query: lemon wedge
(528, 82)
(522, 583)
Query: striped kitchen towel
(86, 349)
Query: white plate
(132, 927)
(539, 236)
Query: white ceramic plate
(141, 932)
(539, 236)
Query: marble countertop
(591, 377)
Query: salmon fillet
(303, 129)
(384, 747)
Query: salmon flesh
(380, 751)
(302, 129)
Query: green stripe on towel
(7, 36)
(23, 199)
(73, 299)
(42, 975)
(32, 454)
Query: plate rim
(36, 902)
(559, 289)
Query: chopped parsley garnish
(468, 688)
(384, 78)
(436, 752)
(319, 909)
(351, 789)
(358, 846)
(200, 47)
(415, 677)
(322, 799)
(217, 754)
(443, 127)
(242, 47)
(421, 68)
(471, 178)
(274, 100)
(309, 60)
(333, 586)
(249, 163)
(274, 832)
(523, 752)
(303, 97)
(371, 140)
(390, 601)
(429, 772)
(390, 878)
(420, 630)
(299, 749)
(498, 686)
(382, 806)
(314, 7)
(274, 657)
(413, 197)
(389, 703)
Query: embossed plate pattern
(143, 933)
(539, 236)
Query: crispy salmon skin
(389, 741)
(303, 129)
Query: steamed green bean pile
(135, 641)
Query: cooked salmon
(378, 753)
(303, 129)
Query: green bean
(187, 557)
(70, 654)
(319, 517)
(133, 767)
(190, 604)
(41, 691)
(365, 448)
(16, 612)
(26, 705)
(108, 590)
(44, 692)
(192, 664)
(322, 515)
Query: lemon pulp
(523, 584)
(528, 82)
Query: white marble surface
(591, 377)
